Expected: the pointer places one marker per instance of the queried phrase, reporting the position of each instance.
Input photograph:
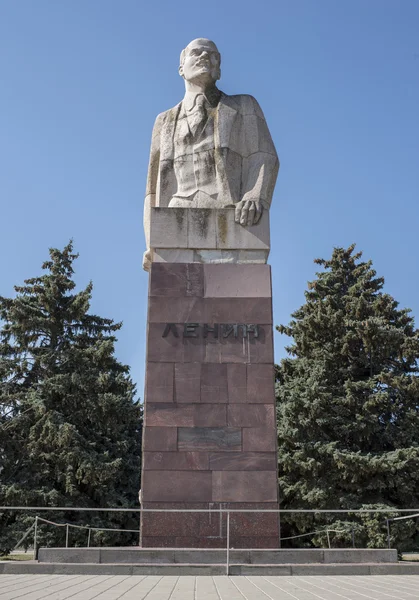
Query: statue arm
(151, 189)
(259, 168)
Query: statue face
(201, 62)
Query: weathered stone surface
(173, 255)
(178, 461)
(188, 415)
(178, 234)
(162, 439)
(169, 229)
(209, 310)
(250, 415)
(255, 525)
(171, 348)
(177, 486)
(188, 382)
(239, 257)
(176, 280)
(244, 486)
(159, 382)
(260, 439)
(201, 227)
(237, 281)
(214, 383)
(260, 383)
(242, 461)
(209, 438)
(236, 380)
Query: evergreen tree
(348, 395)
(69, 426)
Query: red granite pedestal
(210, 428)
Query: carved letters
(217, 330)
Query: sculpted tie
(198, 116)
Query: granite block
(159, 382)
(242, 461)
(176, 279)
(257, 541)
(249, 349)
(162, 439)
(212, 350)
(178, 461)
(172, 348)
(244, 486)
(236, 380)
(209, 310)
(254, 524)
(260, 383)
(250, 415)
(177, 486)
(189, 309)
(214, 383)
(187, 415)
(188, 382)
(237, 281)
(260, 439)
(170, 524)
(209, 438)
(262, 350)
(237, 310)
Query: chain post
(228, 544)
(328, 538)
(35, 539)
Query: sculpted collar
(212, 97)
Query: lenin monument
(210, 442)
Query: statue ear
(181, 70)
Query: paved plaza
(87, 587)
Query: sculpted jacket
(246, 162)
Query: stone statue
(211, 150)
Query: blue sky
(83, 80)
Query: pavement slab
(255, 587)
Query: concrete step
(134, 555)
(29, 567)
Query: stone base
(132, 555)
(209, 529)
(202, 235)
(210, 425)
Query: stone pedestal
(210, 427)
(202, 235)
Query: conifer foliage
(348, 401)
(69, 426)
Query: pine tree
(69, 426)
(348, 396)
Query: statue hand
(248, 212)
(147, 258)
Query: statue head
(200, 62)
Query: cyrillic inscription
(216, 331)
